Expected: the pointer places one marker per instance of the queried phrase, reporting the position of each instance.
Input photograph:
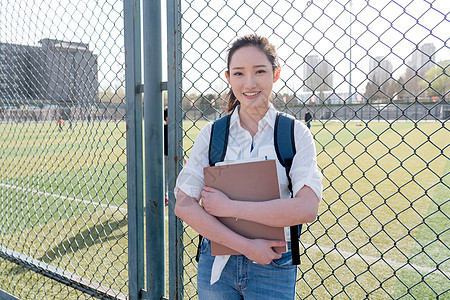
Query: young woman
(260, 272)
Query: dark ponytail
(232, 102)
(250, 40)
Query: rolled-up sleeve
(191, 180)
(304, 170)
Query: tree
(412, 84)
(206, 103)
(437, 81)
(372, 91)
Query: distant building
(318, 74)
(14, 77)
(380, 70)
(56, 73)
(422, 59)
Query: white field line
(327, 250)
(111, 207)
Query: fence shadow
(99, 233)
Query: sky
(391, 29)
(298, 28)
(96, 23)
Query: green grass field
(63, 197)
(382, 229)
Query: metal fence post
(154, 174)
(174, 88)
(134, 148)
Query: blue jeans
(243, 279)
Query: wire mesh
(63, 150)
(374, 75)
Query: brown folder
(250, 181)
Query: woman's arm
(278, 213)
(258, 250)
(306, 184)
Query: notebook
(248, 181)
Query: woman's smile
(251, 94)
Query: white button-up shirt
(241, 146)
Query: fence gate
(63, 163)
(374, 75)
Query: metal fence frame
(62, 68)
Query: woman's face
(251, 77)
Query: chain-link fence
(374, 75)
(63, 230)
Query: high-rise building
(57, 73)
(318, 74)
(380, 70)
(422, 58)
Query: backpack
(284, 147)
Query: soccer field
(63, 196)
(382, 227)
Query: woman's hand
(261, 251)
(216, 203)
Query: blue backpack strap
(285, 148)
(217, 149)
(219, 140)
(285, 142)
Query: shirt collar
(269, 117)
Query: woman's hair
(250, 40)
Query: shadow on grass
(97, 234)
